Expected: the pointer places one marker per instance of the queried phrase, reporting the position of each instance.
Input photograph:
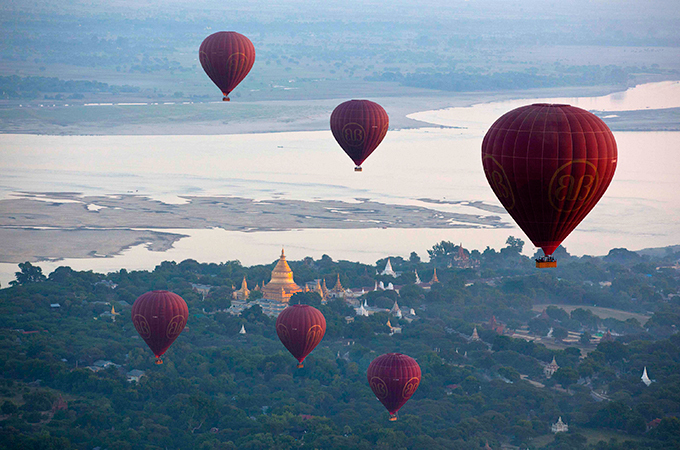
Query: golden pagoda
(434, 277)
(338, 287)
(243, 293)
(281, 287)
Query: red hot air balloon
(159, 317)
(359, 126)
(394, 378)
(300, 329)
(227, 57)
(549, 165)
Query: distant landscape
(56, 54)
(124, 172)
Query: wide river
(641, 208)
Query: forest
(219, 389)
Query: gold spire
(281, 286)
(338, 287)
(243, 293)
(434, 277)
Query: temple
(434, 277)
(645, 379)
(559, 426)
(388, 269)
(475, 335)
(551, 368)
(281, 287)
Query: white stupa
(390, 287)
(388, 270)
(645, 379)
(361, 311)
(417, 277)
(243, 330)
(381, 285)
(475, 335)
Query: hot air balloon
(159, 317)
(394, 378)
(359, 126)
(227, 57)
(549, 165)
(300, 329)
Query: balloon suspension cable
(358, 169)
(159, 360)
(393, 417)
(546, 262)
(300, 365)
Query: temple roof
(281, 284)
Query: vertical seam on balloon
(559, 225)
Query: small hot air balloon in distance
(549, 165)
(394, 378)
(159, 317)
(226, 57)
(359, 126)
(300, 329)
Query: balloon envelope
(394, 378)
(359, 126)
(300, 329)
(549, 165)
(159, 317)
(227, 57)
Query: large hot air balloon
(549, 165)
(159, 317)
(359, 126)
(300, 329)
(394, 378)
(227, 57)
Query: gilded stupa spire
(281, 286)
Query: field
(602, 313)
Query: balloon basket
(300, 365)
(226, 99)
(546, 263)
(159, 361)
(358, 169)
(393, 417)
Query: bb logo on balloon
(283, 333)
(354, 134)
(410, 387)
(237, 60)
(573, 184)
(314, 335)
(175, 327)
(142, 326)
(499, 181)
(379, 387)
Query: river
(641, 208)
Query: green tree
(28, 274)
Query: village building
(134, 375)
(202, 289)
(496, 326)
